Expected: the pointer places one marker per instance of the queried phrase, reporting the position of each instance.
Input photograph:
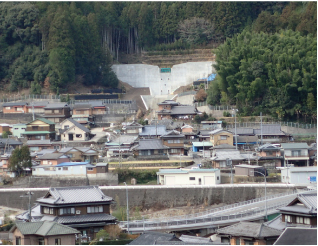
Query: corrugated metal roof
(80, 194)
(145, 144)
(45, 228)
(294, 145)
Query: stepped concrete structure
(162, 83)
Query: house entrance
(70, 137)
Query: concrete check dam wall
(160, 197)
(143, 75)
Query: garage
(208, 180)
(170, 180)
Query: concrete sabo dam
(161, 197)
(159, 83)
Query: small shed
(249, 170)
(102, 167)
(299, 175)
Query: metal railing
(209, 215)
(28, 97)
(281, 123)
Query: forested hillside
(265, 51)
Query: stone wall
(161, 197)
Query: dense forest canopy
(267, 62)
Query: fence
(106, 101)
(186, 93)
(257, 124)
(29, 97)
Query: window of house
(8, 107)
(65, 168)
(78, 135)
(59, 168)
(41, 241)
(57, 241)
(90, 169)
(248, 242)
(299, 220)
(307, 221)
(18, 240)
(37, 137)
(223, 137)
(170, 141)
(191, 178)
(70, 155)
(288, 218)
(238, 241)
(144, 152)
(96, 209)
(66, 126)
(174, 151)
(217, 178)
(47, 210)
(35, 127)
(67, 211)
(44, 162)
(295, 152)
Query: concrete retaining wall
(142, 75)
(161, 197)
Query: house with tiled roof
(151, 237)
(153, 131)
(84, 208)
(270, 154)
(40, 129)
(170, 109)
(14, 107)
(296, 153)
(221, 136)
(52, 159)
(57, 112)
(80, 154)
(150, 147)
(175, 141)
(37, 107)
(71, 130)
(298, 236)
(248, 233)
(43, 233)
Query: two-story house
(40, 129)
(220, 136)
(170, 109)
(85, 208)
(57, 112)
(133, 128)
(188, 132)
(98, 107)
(37, 107)
(18, 129)
(83, 113)
(80, 154)
(52, 159)
(121, 146)
(14, 107)
(270, 155)
(296, 153)
(150, 147)
(8, 145)
(175, 141)
(71, 130)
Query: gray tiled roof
(84, 218)
(309, 206)
(268, 147)
(39, 142)
(218, 131)
(168, 102)
(184, 110)
(298, 236)
(75, 123)
(150, 238)
(4, 141)
(45, 228)
(145, 144)
(294, 145)
(223, 146)
(246, 139)
(96, 104)
(242, 131)
(56, 105)
(270, 129)
(38, 104)
(223, 155)
(205, 133)
(194, 239)
(51, 156)
(173, 134)
(82, 105)
(249, 229)
(80, 194)
(9, 104)
(150, 130)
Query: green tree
(20, 159)
(6, 134)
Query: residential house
(313, 154)
(4, 128)
(14, 108)
(133, 128)
(153, 131)
(296, 153)
(170, 124)
(38, 145)
(170, 109)
(188, 132)
(40, 129)
(245, 142)
(220, 157)
(71, 130)
(85, 208)
(153, 237)
(43, 233)
(80, 154)
(150, 147)
(204, 135)
(73, 169)
(57, 112)
(270, 155)
(220, 136)
(7, 145)
(98, 107)
(271, 133)
(175, 141)
(121, 145)
(298, 175)
(83, 113)
(18, 129)
(202, 146)
(36, 107)
(211, 125)
(195, 240)
(249, 170)
(53, 159)
(248, 233)
(188, 176)
(5, 162)
(298, 236)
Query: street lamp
(235, 111)
(127, 208)
(265, 192)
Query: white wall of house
(78, 170)
(298, 175)
(190, 178)
(78, 135)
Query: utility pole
(29, 194)
(127, 208)
(261, 129)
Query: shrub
(226, 114)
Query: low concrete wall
(161, 197)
